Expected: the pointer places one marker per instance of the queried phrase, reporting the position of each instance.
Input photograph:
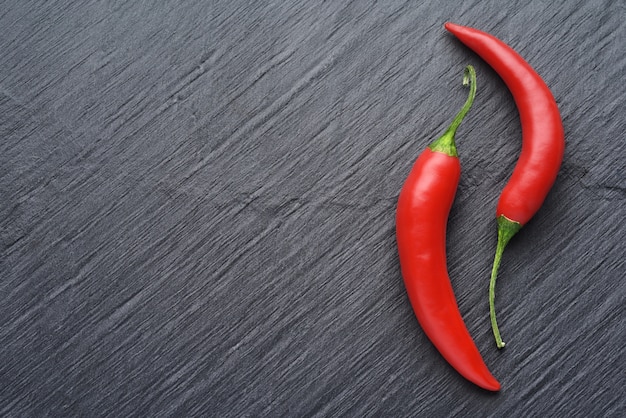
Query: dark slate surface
(198, 199)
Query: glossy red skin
(422, 215)
(543, 140)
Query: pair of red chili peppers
(427, 195)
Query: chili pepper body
(543, 141)
(421, 218)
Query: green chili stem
(506, 230)
(445, 143)
(469, 78)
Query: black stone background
(198, 199)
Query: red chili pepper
(542, 142)
(423, 207)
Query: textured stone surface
(198, 198)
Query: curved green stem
(506, 229)
(445, 143)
